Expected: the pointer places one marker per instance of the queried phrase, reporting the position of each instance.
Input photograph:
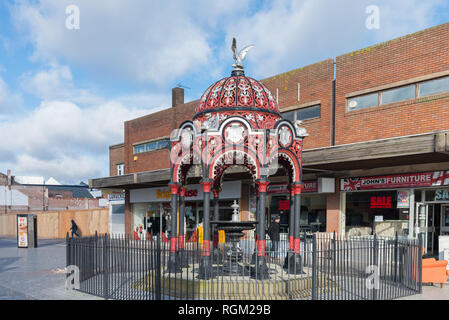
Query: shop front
(407, 204)
(116, 200)
(313, 204)
(151, 208)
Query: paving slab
(35, 273)
(430, 292)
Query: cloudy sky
(64, 93)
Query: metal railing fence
(328, 268)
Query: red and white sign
(284, 205)
(282, 188)
(425, 179)
(381, 202)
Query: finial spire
(238, 66)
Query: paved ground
(434, 292)
(36, 273)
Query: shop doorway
(430, 218)
(444, 225)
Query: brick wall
(153, 126)
(116, 156)
(315, 85)
(411, 56)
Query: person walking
(74, 229)
(273, 233)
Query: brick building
(376, 160)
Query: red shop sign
(381, 202)
(284, 205)
(424, 179)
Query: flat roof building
(376, 160)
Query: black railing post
(376, 267)
(314, 268)
(420, 253)
(395, 261)
(334, 262)
(105, 267)
(67, 250)
(158, 267)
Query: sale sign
(381, 202)
(284, 205)
(424, 179)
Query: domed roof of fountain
(239, 95)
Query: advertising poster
(22, 232)
(403, 199)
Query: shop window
(363, 207)
(434, 87)
(365, 101)
(398, 94)
(418, 196)
(430, 195)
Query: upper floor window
(303, 113)
(398, 94)
(289, 116)
(308, 113)
(121, 169)
(366, 101)
(150, 146)
(408, 92)
(431, 87)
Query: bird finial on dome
(238, 66)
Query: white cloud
(53, 83)
(70, 169)
(9, 102)
(58, 134)
(289, 34)
(144, 41)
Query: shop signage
(403, 200)
(284, 205)
(116, 196)
(381, 202)
(441, 195)
(378, 218)
(230, 190)
(425, 179)
(282, 188)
